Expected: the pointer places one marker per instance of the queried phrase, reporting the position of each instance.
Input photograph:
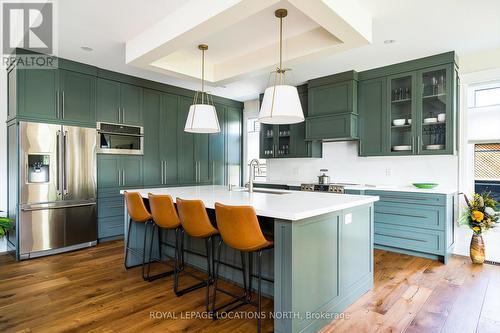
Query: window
(253, 137)
(485, 95)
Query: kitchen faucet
(251, 173)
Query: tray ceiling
(243, 37)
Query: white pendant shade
(202, 118)
(281, 105)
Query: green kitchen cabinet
(234, 129)
(168, 138)
(289, 141)
(160, 138)
(119, 171)
(152, 161)
(52, 95)
(37, 93)
(416, 93)
(119, 103)
(193, 158)
(333, 108)
(372, 101)
(217, 153)
(78, 97)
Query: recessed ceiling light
(87, 48)
(389, 41)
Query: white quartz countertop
(364, 187)
(290, 205)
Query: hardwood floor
(90, 291)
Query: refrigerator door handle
(58, 162)
(41, 207)
(66, 163)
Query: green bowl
(425, 185)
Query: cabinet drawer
(110, 226)
(108, 207)
(428, 241)
(418, 216)
(333, 127)
(109, 192)
(410, 197)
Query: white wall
(344, 165)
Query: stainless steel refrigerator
(57, 190)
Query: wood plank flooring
(90, 291)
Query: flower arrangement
(480, 214)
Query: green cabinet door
(372, 102)
(152, 163)
(233, 143)
(108, 101)
(78, 101)
(186, 162)
(217, 149)
(202, 158)
(334, 98)
(131, 103)
(168, 138)
(435, 98)
(108, 171)
(38, 94)
(131, 167)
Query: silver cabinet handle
(412, 145)
(163, 172)
(63, 108)
(119, 178)
(123, 115)
(419, 144)
(66, 163)
(123, 177)
(213, 173)
(57, 104)
(59, 166)
(119, 115)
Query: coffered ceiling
(243, 37)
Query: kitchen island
(323, 249)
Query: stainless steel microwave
(120, 139)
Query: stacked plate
(434, 147)
(401, 148)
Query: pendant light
(281, 103)
(202, 116)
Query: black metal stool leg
(199, 285)
(148, 276)
(127, 244)
(259, 291)
(250, 274)
(216, 277)
(146, 224)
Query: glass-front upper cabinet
(435, 111)
(401, 113)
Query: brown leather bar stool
(195, 223)
(239, 229)
(165, 217)
(138, 214)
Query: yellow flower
(477, 215)
(476, 229)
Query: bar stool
(138, 214)
(164, 217)
(195, 223)
(239, 229)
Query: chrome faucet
(251, 173)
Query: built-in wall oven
(119, 139)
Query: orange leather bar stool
(165, 217)
(195, 223)
(138, 214)
(239, 229)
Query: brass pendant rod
(281, 43)
(202, 74)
